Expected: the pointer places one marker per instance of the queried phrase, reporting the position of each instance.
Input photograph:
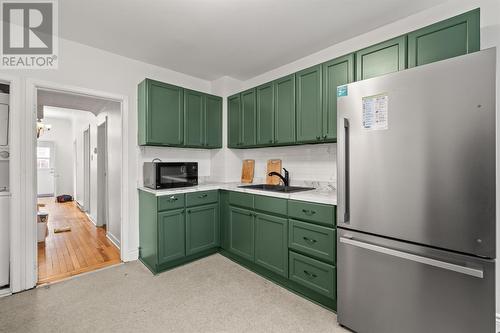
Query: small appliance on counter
(162, 175)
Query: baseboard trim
(131, 255)
(497, 329)
(5, 292)
(113, 240)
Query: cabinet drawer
(270, 204)
(312, 239)
(201, 198)
(241, 199)
(312, 274)
(313, 212)
(173, 201)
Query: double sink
(277, 188)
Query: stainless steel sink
(277, 188)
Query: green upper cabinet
(383, 58)
(271, 243)
(284, 92)
(213, 121)
(202, 228)
(446, 39)
(248, 118)
(336, 72)
(193, 118)
(309, 106)
(265, 114)
(171, 232)
(241, 231)
(234, 121)
(173, 116)
(160, 114)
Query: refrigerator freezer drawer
(391, 286)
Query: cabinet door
(248, 118)
(284, 92)
(165, 114)
(213, 121)
(446, 39)
(241, 226)
(335, 73)
(193, 119)
(265, 114)
(386, 57)
(171, 235)
(234, 121)
(309, 104)
(271, 247)
(224, 219)
(202, 228)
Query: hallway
(84, 248)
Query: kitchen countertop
(328, 197)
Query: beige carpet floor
(209, 295)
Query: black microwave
(161, 175)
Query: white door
(4, 240)
(102, 177)
(45, 152)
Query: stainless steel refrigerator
(416, 199)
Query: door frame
(53, 162)
(102, 174)
(87, 181)
(23, 175)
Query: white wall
(60, 134)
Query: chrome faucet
(286, 179)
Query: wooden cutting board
(247, 171)
(273, 165)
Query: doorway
(75, 231)
(46, 168)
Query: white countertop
(328, 197)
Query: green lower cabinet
(202, 228)
(383, 58)
(456, 36)
(171, 235)
(271, 250)
(241, 228)
(313, 240)
(224, 209)
(313, 274)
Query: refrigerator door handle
(343, 174)
(413, 257)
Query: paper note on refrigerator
(375, 113)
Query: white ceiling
(213, 38)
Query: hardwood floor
(84, 248)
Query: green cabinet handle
(270, 141)
(189, 211)
(204, 195)
(318, 137)
(172, 198)
(309, 274)
(310, 240)
(325, 137)
(308, 212)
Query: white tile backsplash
(306, 163)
